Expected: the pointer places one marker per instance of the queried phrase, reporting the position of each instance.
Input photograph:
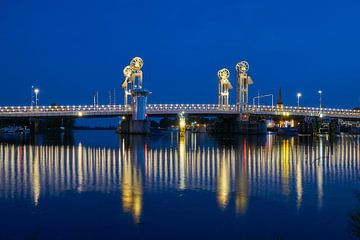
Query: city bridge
(136, 110)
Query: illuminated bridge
(135, 102)
(170, 109)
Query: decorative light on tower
(133, 78)
(125, 85)
(242, 86)
(137, 76)
(138, 93)
(224, 87)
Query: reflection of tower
(242, 181)
(223, 190)
(224, 87)
(319, 172)
(242, 86)
(182, 162)
(36, 186)
(299, 186)
(132, 188)
(280, 103)
(285, 158)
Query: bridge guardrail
(103, 110)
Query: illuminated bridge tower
(242, 86)
(224, 87)
(125, 85)
(138, 93)
(134, 77)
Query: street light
(32, 96)
(36, 91)
(298, 99)
(320, 100)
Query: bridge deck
(169, 109)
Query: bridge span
(90, 111)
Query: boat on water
(287, 131)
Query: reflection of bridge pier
(242, 180)
(132, 176)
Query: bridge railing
(302, 110)
(190, 108)
(63, 108)
(89, 110)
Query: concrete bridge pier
(139, 123)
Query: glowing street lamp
(36, 91)
(298, 99)
(320, 99)
(32, 96)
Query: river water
(96, 184)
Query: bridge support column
(242, 86)
(224, 87)
(139, 123)
(134, 127)
(182, 125)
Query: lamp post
(36, 91)
(32, 96)
(320, 100)
(298, 99)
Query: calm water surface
(96, 184)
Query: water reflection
(233, 169)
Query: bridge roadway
(90, 111)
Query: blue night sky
(70, 49)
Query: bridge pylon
(138, 96)
(133, 79)
(224, 87)
(125, 85)
(242, 86)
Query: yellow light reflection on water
(280, 168)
